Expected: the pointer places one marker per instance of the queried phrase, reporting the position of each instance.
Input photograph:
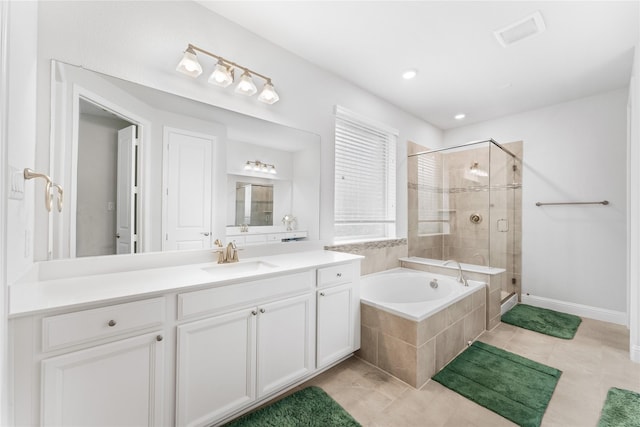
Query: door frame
(165, 178)
(69, 217)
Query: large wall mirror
(146, 171)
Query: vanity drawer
(238, 295)
(335, 275)
(252, 239)
(90, 325)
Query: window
(433, 200)
(365, 180)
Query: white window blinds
(365, 178)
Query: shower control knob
(475, 218)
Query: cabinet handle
(321, 294)
(254, 313)
(339, 274)
(159, 338)
(112, 323)
(262, 310)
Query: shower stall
(465, 205)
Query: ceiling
(587, 48)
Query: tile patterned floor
(596, 359)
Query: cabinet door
(286, 342)
(335, 326)
(215, 367)
(117, 384)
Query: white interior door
(125, 202)
(188, 190)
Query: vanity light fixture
(475, 170)
(259, 166)
(223, 75)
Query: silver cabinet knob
(112, 323)
(159, 338)
(262, 310)
(321, 294)
(253, 312)
(205, 233)
(339, 275)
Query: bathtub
(411, 329)
(407, 293)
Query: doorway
(106, 204)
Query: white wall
(633, 222)
(21, 134)
(574, 151)
(143, 42)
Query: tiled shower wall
(465, 241)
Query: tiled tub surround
(379, 255)
(413, 349)
(493, 277)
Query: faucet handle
(218, 243)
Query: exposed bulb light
(459, 116)
(409, 74)
(258, 166)
(246, 85)
(268, 94)
(222, 75)
(189, 64)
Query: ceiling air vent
(520, 30)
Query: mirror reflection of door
(188, 192)
(105, 207)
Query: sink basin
(239, 268)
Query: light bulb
(247, 166)
(273, 170)
(221, 76)
(189, 64)
(246, 85)
(268, 94)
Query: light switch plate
(16, 183)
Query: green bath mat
(621, 409)
(309, 407)
(512, 386)
(548, 322)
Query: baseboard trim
(509, 304)
(596, 313)
(635, 353)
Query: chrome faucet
(460, 277)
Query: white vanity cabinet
(225, 362)
(102, 366)
(179, 345)
(338, 319)
(116, 384)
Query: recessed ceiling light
(409, 74)
(459, 116)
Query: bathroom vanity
(188, 344)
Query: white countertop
(31, 297)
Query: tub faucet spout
(460, 277)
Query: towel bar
(604, 202)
